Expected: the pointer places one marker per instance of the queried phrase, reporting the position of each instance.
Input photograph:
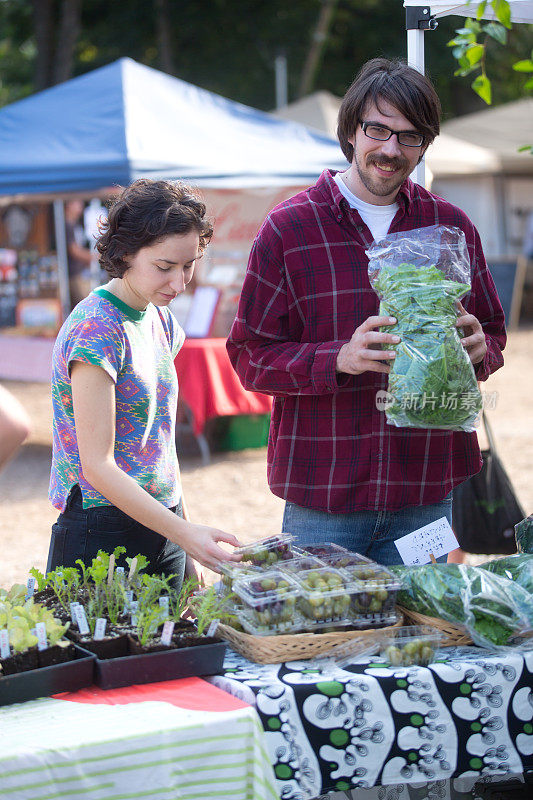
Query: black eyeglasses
(381, 133)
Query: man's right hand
(363, 352)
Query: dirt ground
(232, 492)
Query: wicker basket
(290, 647)
(454, 634)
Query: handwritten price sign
(436, 539)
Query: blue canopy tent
(125, 121)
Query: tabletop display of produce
(120, 625)
(127, 625)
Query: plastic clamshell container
(410, 644)
(343, 654)
(232, 571)
(301, 563)
(268, 602)
(342, 560)
(324, 599)
(267, 552)
(373, 591)
(323, 550)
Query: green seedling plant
(141, 562)
(152, 587)
(149, 618)
(207, 606)
(65, 584)
(40, 579)
(178, 602)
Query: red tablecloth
(209, 385)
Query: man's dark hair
(410, 92)
(144, 213)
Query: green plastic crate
(246, 430)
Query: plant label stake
(4, 643)
(120, 573)
(81, 619)
(99, 629)
(40, 632)
(133, 567)
(213, 627)
(163, 604)
(111, 569)
(168, 630)
(30, 587)
(133, 609)
(73, 616)
(128, 600)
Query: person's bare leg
(14, 426)
(456, 556)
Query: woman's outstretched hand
(200, 542)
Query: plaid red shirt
(306, 290)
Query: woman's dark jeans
(80, 532)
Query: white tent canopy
(521, 10)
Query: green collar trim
(130, 312)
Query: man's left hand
(474, 339)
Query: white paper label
(163, 604)
(4, 643)
(134, 605)
(40, 632)
(73, 616)
(30, 587)
(99, 629)
(168, 630)
(81, 619)
(119, 572)
(128, 599)
(213, 627)
(435, 539)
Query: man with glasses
(307, 331)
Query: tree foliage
(229, 47)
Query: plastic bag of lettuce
(418, 276)
(524, 535)
(518, 568)
(494, 610)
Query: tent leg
(62, 258)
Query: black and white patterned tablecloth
(464, 718)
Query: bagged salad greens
(524, 535)
(418, 276)
(517, 568)
(492, 609)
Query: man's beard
(383, 187)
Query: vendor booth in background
(89, 135)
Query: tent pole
(62, 258)
(417, 20)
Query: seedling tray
(163, 665)
(45, 681)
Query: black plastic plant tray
(45, 681)
(164, 665)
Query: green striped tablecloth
(143, 744)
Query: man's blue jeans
(371, 533)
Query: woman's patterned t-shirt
(137, 349)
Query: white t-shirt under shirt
(378, 218)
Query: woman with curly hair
(115, 475)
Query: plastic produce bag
(492, 609)
(518, 568)
(418, 276)
(524, 535)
